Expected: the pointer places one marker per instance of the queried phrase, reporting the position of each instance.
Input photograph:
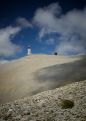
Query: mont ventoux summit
(47, 80)
(22, 80)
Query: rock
(26, 112)
(66, 103)
(18, 117)
(2, 120)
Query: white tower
(29, 50)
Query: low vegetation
(64, 104)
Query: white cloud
(70, 48)
(44, 31)
(4, 61)
(22, 22)
(45, 16)
(7, 48)
(71, 27)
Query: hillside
(36, 73)
(49, 106)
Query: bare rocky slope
(48, 105)
(20, 79)
(36, 73)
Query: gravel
(45, 106)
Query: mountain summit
(36, 73)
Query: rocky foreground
(50, 105)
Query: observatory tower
(29, 50)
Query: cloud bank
(22, 22)
(71, 28)
(7, 48)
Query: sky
(47, 26)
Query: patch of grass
(64, 104)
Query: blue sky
(46, 25)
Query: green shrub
(64, 104)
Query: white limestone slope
(18, 79)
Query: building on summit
(29, 50)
